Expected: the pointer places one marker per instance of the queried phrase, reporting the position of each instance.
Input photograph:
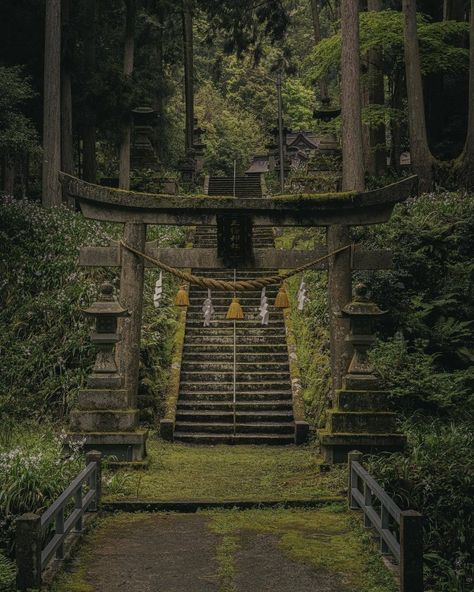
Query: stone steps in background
(263, 407)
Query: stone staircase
(263, 395)
(244, 186)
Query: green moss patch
(329, 540)
(180, 472)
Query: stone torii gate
(137, 210)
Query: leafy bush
(44, 342)
(436, 477)
(45, 352)
(7, 574)
(34, 470)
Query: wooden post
(131, 297)
(352, 457)
(339, 294)
(28, 551)
(96, 456)
(411, 551)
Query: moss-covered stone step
(228, 366)
(244, 340)
(207, 376)
(243, 396)
(244, 352)
(241, 406)
(240, 428)
(335, 447)
(242, 386)
(222, 330)
(363, 400)
(227, 416)
(206, 438)
(361, 422)
(221, 356)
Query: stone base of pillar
(102, 419)
(122, 448)
(362, 420)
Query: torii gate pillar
(131, 297)
(339, 294)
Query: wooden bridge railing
(400, 532)
(67, 514)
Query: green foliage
(44, 338)
(7, 574)
(44, 341)
(436, 477)
(430, 296)
(17, 133)
(442, 46)
(34, 470)
(232, 134)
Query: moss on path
(179, 472)
(228, 551)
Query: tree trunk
(352, 147)
(89, 160)
(159, 99)
(378, 150)
(421, 158)
(454, 10)
(395, 129)
(67, 148)
(467, 157)
(8, 176)
(323, 85)
(128, 60)
(188, 74)
(52, 195)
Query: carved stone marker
(362, 418)
(103, 416)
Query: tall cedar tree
(67, 147)
(467, 157)
(89, 132)
(52, 106)
(352, 147)
(128, 63)
(188, 49)
(377, 160)
(421, 157)
(322, 82)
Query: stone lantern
(362, 418)
(103, 418)
(362, 315)
(106, 311)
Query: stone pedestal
(362, 418)
(103, 417)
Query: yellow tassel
(235, 310)
(281, 300)
(182, 298)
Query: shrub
(436, 477)
(7, 574)
(34, 470)
(45, 351)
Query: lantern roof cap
(107, 305)
(361, 305)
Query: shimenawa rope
(239, 286)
